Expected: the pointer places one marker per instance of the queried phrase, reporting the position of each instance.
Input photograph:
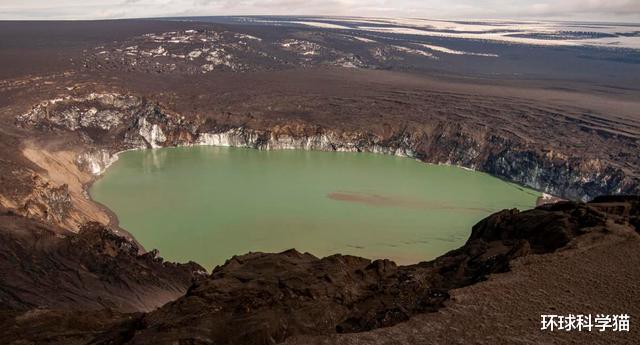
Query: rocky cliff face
(47, 267)
(267, 298)
(549, 172)
(109, 123)
(49, 202)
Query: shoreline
(114, 222)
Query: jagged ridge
(262, 298)
(136, 123)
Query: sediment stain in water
(396, 201)
(209, 203)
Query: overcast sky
(602, 10)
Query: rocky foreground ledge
(65, 288)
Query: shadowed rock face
(46, 326)
(44, 267)
(624, 208)
(112, 122)
(261, 298)
(265, 298)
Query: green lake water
(207, 204)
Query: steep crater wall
(108, 123)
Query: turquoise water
(207, 204)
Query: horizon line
(324, 16)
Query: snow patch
(414, 52)
(454, 52)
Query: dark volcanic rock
(42, 326)
(625, 207)
(265, 298)
(261, 298)
(546, 228)
(44, 267)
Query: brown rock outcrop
(265, 298)
(260, 298)
(46, 267)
